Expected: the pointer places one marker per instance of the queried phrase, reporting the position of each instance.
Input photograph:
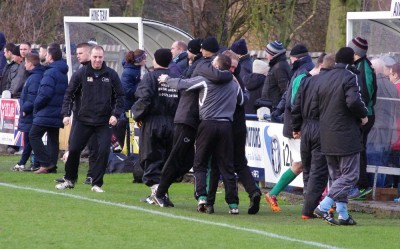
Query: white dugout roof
(118, 35)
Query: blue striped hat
(274, 48)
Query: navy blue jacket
(49, 100)
(130, 79)
(28, 96)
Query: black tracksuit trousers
(315, 168)
(240, 164)
(214, 138)
(180, 160)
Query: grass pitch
(33, 214)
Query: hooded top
(3, 60)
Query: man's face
(234, 64)
(175, 50)
(42, 54)
(97, 58)
(83, 55)
(17, 59)
(7, 54)
(29, 65)
(386, 71)
(269, 57)
(24, 49)
(214, 62)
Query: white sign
(395, 8)
(99, 15)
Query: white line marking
(243, 229)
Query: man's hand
(66, 121)
(364, 121)
(296, 134)
(113, 121)
(163, 78)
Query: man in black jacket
(97, 94)
(154, 111)
(341, 113)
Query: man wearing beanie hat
(368, 87)
(278, 77)
(154, 111)
(210, 44)
(239, 47)
(341, 110)
(301, 63)
(254, 83)
(194, 56)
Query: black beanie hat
(210, 44)
(163, 57)
(345, 55)
(15, 51)
(299, 51)
(194, 46)
(239, 47)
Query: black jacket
(154, 99)
(277, 79)
(246, 66)
(340, 108)
(97, 95)
(254, 83)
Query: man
(194, 56)
(43, 53)
(301, 63)
(154, 110)
(47, 109)
(246, 64)
(179, 57)
(15, 89)
(239, 154)
(367, 82)
(388, 62)
(97, 96)
(278, 76)
(341, 113)
(186, 121)
(83, 56)
(214, 136)
(28, 97)
(5, 81)
(305, 116)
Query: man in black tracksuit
(154, 111)
(97, 94)
(305, 120)
(239, 154)
(186, 120)
(214, 137)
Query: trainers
(163, 201)
(88, 180)
(31, 168)
(254, 203)
(209, 209)
(65, 185)
(332, 211)
(168, 201)
(149, 199)
(364, 192)
(201, 205)
(273, 203)
(348, 222)
(60, 180)
(18, 167)
(325, 216)
(97, 189)
(354, 193)
(233, 209)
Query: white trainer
(97, 189)
(67, 184)
(18, 167)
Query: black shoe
(325, 216)
(348, 222)
(168, 201)
(210, 209)
(31, 168)
(60, 180)
(88, 180)
(52, 170)
(254, 203)
(163, 201)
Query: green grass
(117, 219)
